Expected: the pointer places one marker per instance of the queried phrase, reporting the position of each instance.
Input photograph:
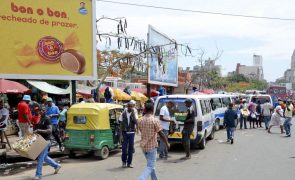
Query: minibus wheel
(211, 137)
(217, 124)
(202, 144)
(103, 153)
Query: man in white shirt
(165, 119)
(266, 113)
(4, 114)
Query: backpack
(107, 94)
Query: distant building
(293, 61)
(257, 60)
(289, 74)
(210, 66)
(232, 73)
(253, 72)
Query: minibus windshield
(179, 105)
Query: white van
(204, 121)
(219, 104)
(260, 97)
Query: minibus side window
(226, 101)
(213, 105)
(203, 107)
(208, 108)
(216, 103)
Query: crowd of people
(150, 128)
(255, 113)
(44, 118)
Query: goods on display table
(30, 146)
(180, 116)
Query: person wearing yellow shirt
(288, 118)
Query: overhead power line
(198, 11)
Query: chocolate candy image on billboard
(73, 61)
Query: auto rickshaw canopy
(95, 116)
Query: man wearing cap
(188, 128)
(133, 103)
(52, 112)
(288, 118)
(128, 127)
(24, 115)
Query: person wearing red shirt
(36, 117)
(24, 115)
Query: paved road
(256, 155)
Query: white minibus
(204, 121)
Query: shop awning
(48, 88)
(51, 89)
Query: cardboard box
(10, 130)
(35, 149)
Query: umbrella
(144, 91)
(138, 96)
(12, 87)
(121, 95)
(135, 96)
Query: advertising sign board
(163, 63)
(48, 39)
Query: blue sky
(239, 38)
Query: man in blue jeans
(266, 113)
(44, 128)
(165, 120)
(52, 112)
(150, 127)
(230, 117)
(288, 116)
(128, 127)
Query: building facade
(252, 72)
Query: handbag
(253, 115)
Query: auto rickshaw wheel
(104, 152)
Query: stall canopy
(12, 87)
(51, 89)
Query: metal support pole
(148, 90)
(73, 82)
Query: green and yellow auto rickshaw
(93, 127)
